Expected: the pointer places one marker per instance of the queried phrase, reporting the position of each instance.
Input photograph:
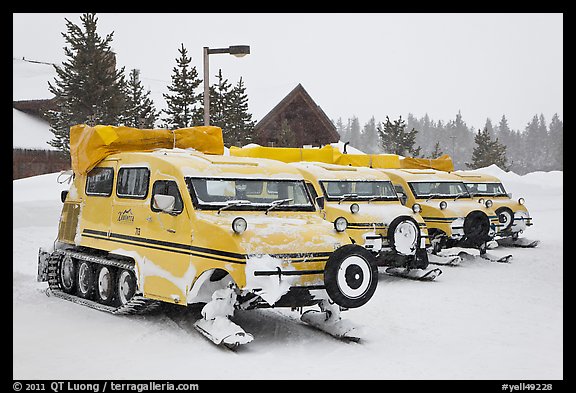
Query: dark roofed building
(299, 116)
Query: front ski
(445, 260)
(518, 242)
(414, 274)
(336, 327)
(222, 331)
(328, 320)
(494, 258)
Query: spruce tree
(437, 152)
(555, 145)
(140, 110)
(240, 120)
(487, 152)
(88, 88)
(183, 102)
(394, 138)
(220, 104)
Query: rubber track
(137, 305)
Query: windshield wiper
(233, 203)
(277, 203)
(346, 196)
(432, 196)
(461, 194)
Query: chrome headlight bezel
(521, 201)
(354, 208)
(488, 203)
(416, 208)
(443, 205)
(239, 225)
(340, 224)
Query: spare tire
(476, 228)
(404, 235)
(506, 218)
(351, 276)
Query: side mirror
(510, 195)
(403, 198)
(320, 202)
(164, 202)
(63, 195)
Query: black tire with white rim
(126, 286)
(86, 280)
(351, 276)
(404, 235)
(105, 284)
(506, 218)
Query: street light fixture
(237, 51)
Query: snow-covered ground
(479, 320)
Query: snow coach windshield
(439, 189)
(249, 194)
(486, 189)
(359, 190)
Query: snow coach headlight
(354, 208)
(416, 208)
(340, 224)
(239, 225)
(521, 201)
(480, 200)
(488, 203)
(443, 205)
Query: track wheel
(105, 285)
(126, 286)
(86, 280)
(67, 275)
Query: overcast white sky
(362, 64)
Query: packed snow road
(478, 320)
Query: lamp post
(238, 51)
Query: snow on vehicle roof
(193, 164)
(324, 171)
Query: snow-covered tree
(240, 120)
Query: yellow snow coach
(364, 201)
(148, 220)
(513, 214)
(453, 218)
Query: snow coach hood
(90, 145)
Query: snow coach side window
(133, 183)
(99, 182)
(167, 187)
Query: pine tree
(220, 105)
(555, 145)
(437, 152)
(487, 152)
(370, 137)
(240, 120)
(140, 110)
(184, 108)
(286, 136)
(395, 140)
(354, 132)
(88, 87)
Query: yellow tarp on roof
(89, 145)
(442, 163)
